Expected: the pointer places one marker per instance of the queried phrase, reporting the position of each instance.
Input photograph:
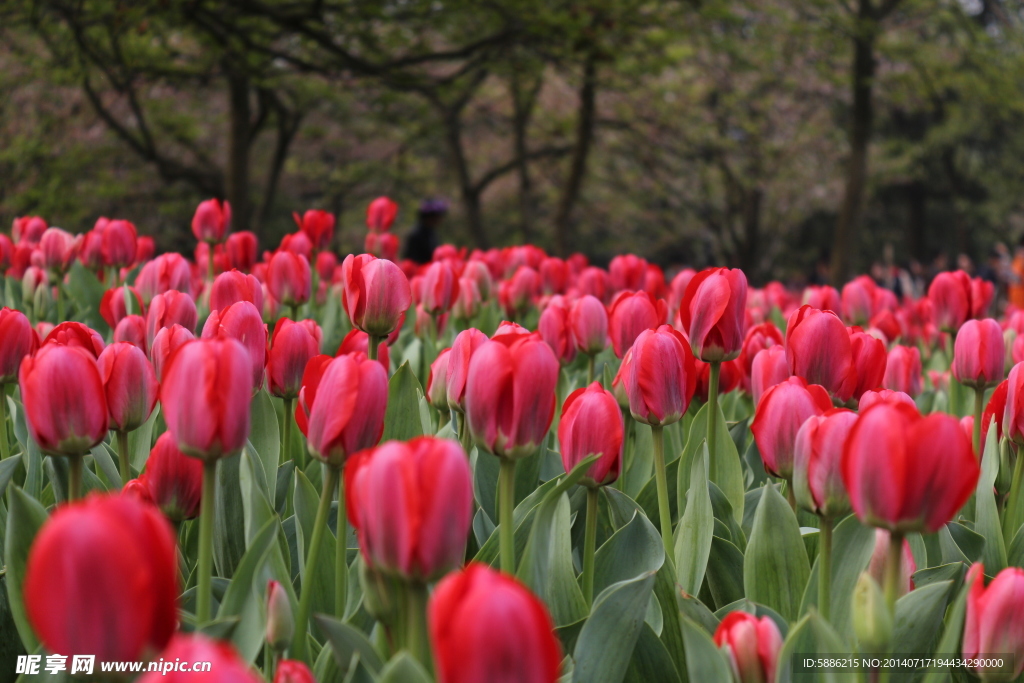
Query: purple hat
(434, 205)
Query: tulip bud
(620, 380)
(289, 278)
(554, 275)
(280, 620)
(318, 226)
(758, 338)
(817, 457)
(768, 369)
(241, 248)
(76, 335)
(870, 398)
(205, 397)
(17, 340)
(418, 528)
(752, 645)
(211, 221)
(242, 321)
(234, 286)
(818, 349)
(486, 626)
(465, 345)
(440, 288)
(556, 331)
(381, 214)
(995, 622)
(291, 347)
(347, 413)
(588, 320)
(858, 300)
(114, 305)
(978, 354)
(596, 283)
(119, 244)
(437, 382)
(170, 308)
(869, 361)
(950, 296)
(291, 671)
(226, 666)
(872, 620)
(662, 377)
(627, 272)
(903, 370)
(591, 424)
(711, 313)
(165, 343)
(162, 274)
(130, 385)
(174, 480)
(59, 248)
(629, 315)
(376, 294)
(145, 248)
(106, 560)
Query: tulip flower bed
(498, 466)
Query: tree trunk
(580, 152)
(238, 150)
(468, 191)
(522, 106)
(846, 241)
(287, 127)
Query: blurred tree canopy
(782, 136)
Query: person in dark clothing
(422, 240)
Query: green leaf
(403, 668)
(105, 464)
(605, 645)
(7, 469)
(725, 572)
(546, 565)
(650, 662)
(852, 545)
(986, 514)
(140, 442)
(322, 584)
(960, 544)
(265, 438)
(671, 630)
(241, 598)
(812, 635)
(950, 641)
(229, 522)
(693, 536)
(24, 519)
(402, 417)
(775, 566)
(919, 617)
(347, 641)
(633, 550)
(1015, 555)
(704, 661)
(86, 291)
(723, 466)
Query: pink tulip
(291, 347)
(752, 645)
(817, 460)
(242, 321)
(234, 286)
(869, 361)
(381, 214)
(630, 314)
(769, 368)
(170, 308)
(711, 313)
(376, 294)
(995, 621)
(165, 343)
(818, 349)
(591, 424)
(440, 288)
(17, 340)
(130, 385)
(978, 354)
(588, 320)
(212, 221)
(465, 345)
(662, 377)
(347, 413)
(950, 296)
(903, 370)
(289, 278)
(556, 331)
(780, 414)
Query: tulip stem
(979, 409)
(341, 553)
(791, 495)
(416, 623)
(312, 555)
(506, 503)
(122, 456)
(589, 545)
(75, 478)
(270, 661)
(893, 570)
(209, 265)
(60, 302)
(1011, 516)
(661, 477)
(590, 369)
(5, 444)
(712, 437)
(204, 569)
(825, 568)
(371, 346)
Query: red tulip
(318, 226)
(440, 287)
(289, 278)
(17, 340)
(130, 385)
(817, 457)
(982, 293)
(880, 558)
(905, 472)
(978, 354)
(486, 626)
(468, 304)
(758, 337)
(478, 272)
(995, 409)
(588, 320)
(518, 292)
(411, 505)
(382, 245)
(824, 298)
(886, 323)
(591, 424)
(358, 342)
(113, 306)
(325, 264)
(165, 343)
(59, 249)
(596, 283)
(205, 394)
(291, 347)
(241, 321)
(465, 345)
(219, 661)
(174, 480)
(711, 312)
(280, 618)
(381, 214)
(164, 273)
(869, 361)
(28, 229)
(654, 281)
(995, 621)
(376, 294)
(630, 314)
(677, 290)
(510, 393)
(818, 349)
(170, 308)
(241, 249)
(64, 399)
(234, 286)
(437, 382)
(870, 398)
(311, 377)
(78, 335)
(119, 244)
(858, 300)
(769, 368)
(662, 377)
(106, 560)
(291, 671)
(347, 413)
(6, 251)
(781, 412)
(752, 645)
(145, 248)
(211, 221)
(627, 272)
(728, 379)
(1013, 413)
(903, 370)
(950, 295)
(554, 275)
(556, 331)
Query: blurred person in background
(1017, 283)
(421, 242)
